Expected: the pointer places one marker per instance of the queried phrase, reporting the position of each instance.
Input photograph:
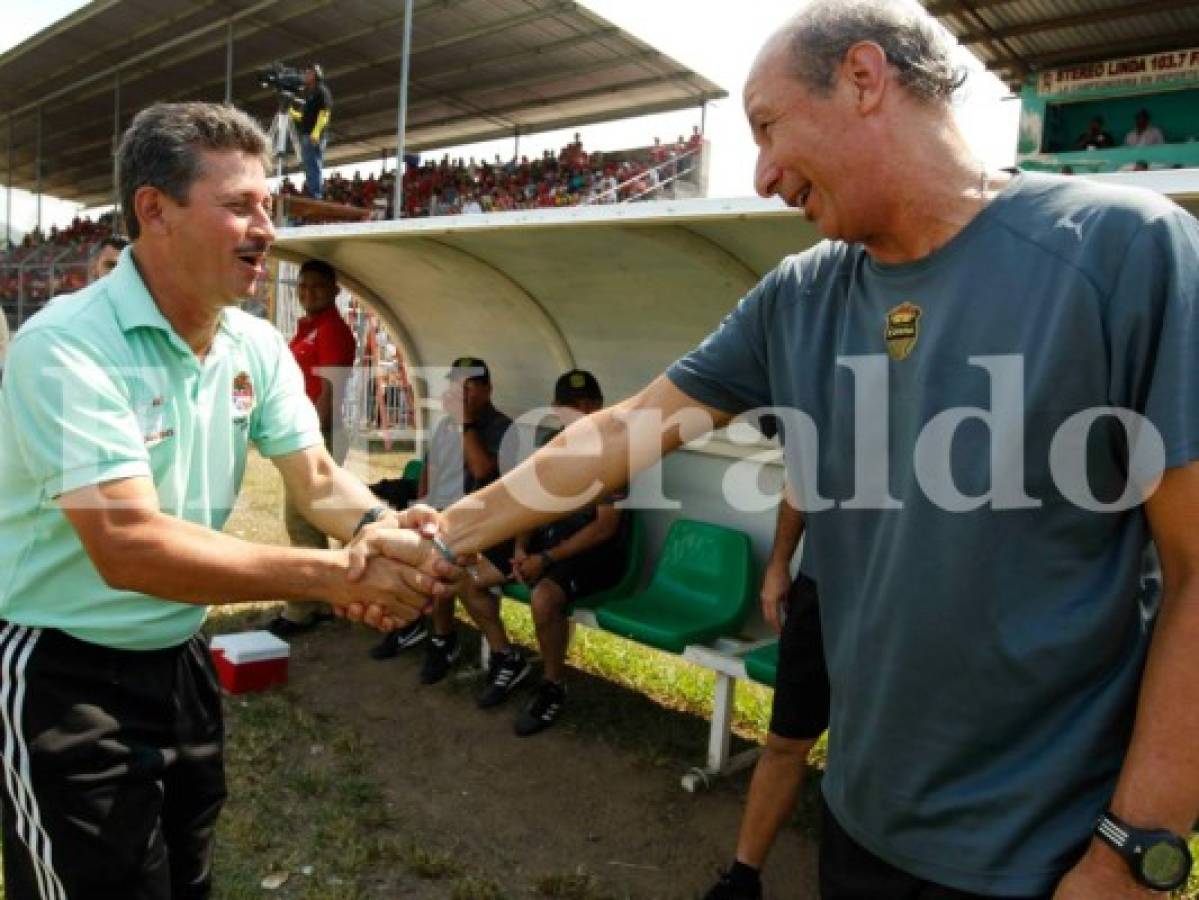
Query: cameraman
(312, 118)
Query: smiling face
(806, 145)
(219, 238)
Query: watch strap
(370, 517)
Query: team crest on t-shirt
(243, 395)
(903, 330)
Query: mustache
(257, 248)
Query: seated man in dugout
(574, 557)
(463, 456)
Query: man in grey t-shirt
(991, 390)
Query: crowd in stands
(571, 177)
(52, 263)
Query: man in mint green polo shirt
(125, 417)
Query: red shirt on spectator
(322, 340)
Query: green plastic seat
(622, 588)
(702, 588)
(412, 470)
(762, 664)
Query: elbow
(124, 558)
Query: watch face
(1164, 866)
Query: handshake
(393, 571)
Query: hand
(394, 573)
(315, 142)
(384, 593)
(1101, 875)
(519, 555)
(532, 568)
(776, 584)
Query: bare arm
(135, 547)
(591, 535)
(1159, 783)
(776, 580)
(617, 443)
(327, 495)
(481, 461)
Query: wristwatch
(370, 517)
(1159, 859)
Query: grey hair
(820, 35)
(162, 149)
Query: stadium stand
(571, 177)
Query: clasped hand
(394, 572)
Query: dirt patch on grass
(592, 808)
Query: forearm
(328, 496)
(324, 406)
(478, 459)
(502, 509)
(788, 529)
(589, 460)
(166, 557)
(587, 538)
(1159, 783)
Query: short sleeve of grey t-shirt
(984, 659)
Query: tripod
(281, 131)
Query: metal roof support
(37, 169)
(8, 194)
(229, 62)
(397, 192)
(116, 142)
(516, 144)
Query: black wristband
(370, 517)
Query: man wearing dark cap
(577, 555)
(311, 120)
(462, 456)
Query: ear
(867, 72)
(150, 206)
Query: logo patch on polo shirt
(243, 395)
(903, 330)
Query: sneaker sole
(506, 692)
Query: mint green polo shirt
(99, 387)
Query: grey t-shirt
(984, 664)
(450, 478)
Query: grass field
(306, 815)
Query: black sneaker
(543, 710)
(440, 654)
(285, 628)
(505, 672)
(401, 639)
(726, 888)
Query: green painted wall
(1051, 123)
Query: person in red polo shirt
(324, 349)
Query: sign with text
(1151, 70)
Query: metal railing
(661, 175)
(30, 280)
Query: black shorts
(801, 692)
(588, 573)
(115, 768)
(501, 555)
(848, 871)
